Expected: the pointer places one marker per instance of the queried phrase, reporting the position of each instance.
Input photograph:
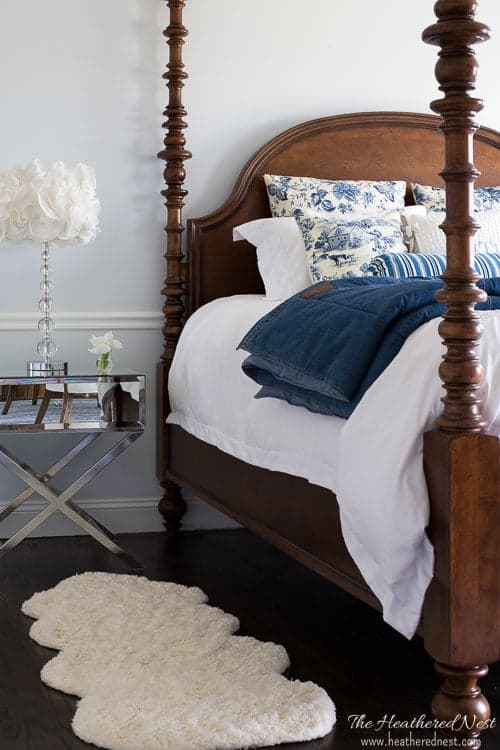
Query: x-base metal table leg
(61, 501)
(55, 469)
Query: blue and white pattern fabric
(487, 265)
(409, 265)
(309, 196)
(434, 198)
(342, 249)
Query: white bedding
(373, 461)
(212, 398)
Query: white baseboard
(133, 515)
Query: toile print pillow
(341, 248)
(311, 197)
(434, 198)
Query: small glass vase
(104, 365)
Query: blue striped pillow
(413, 265)
(407, 265)
(487, 265)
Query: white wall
(81, 81)
(258, 66)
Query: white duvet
(372, 461)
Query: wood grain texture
(365, 145)
(461, 371)
(460, 696)
(462, 613)
(175, 155)
(462, 609)
(463, 604)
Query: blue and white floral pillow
(434, 198)
(343, 248)
(332, 198)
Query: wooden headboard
(368, 145)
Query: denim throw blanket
(324, 347)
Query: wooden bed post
(461, 461)
(456, 70)
(172, 506)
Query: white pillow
(427, 237)
(414, 211)
(281, 255)
(408, 235)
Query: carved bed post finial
(172, 506)
(174, 154)
(461, 371)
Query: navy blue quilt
(324, 347)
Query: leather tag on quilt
(325, 286)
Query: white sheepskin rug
(156, 668)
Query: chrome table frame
(62, 501)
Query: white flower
(104, 344)
(49, 203)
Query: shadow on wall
(148, 100)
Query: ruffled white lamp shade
(43, 203)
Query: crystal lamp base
(45, 369)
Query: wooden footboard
(462, 608)
(462, 611)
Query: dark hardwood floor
(332, 639)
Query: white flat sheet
(213, 399)
(373, 461)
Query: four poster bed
(461, 616)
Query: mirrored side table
(87, 405)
